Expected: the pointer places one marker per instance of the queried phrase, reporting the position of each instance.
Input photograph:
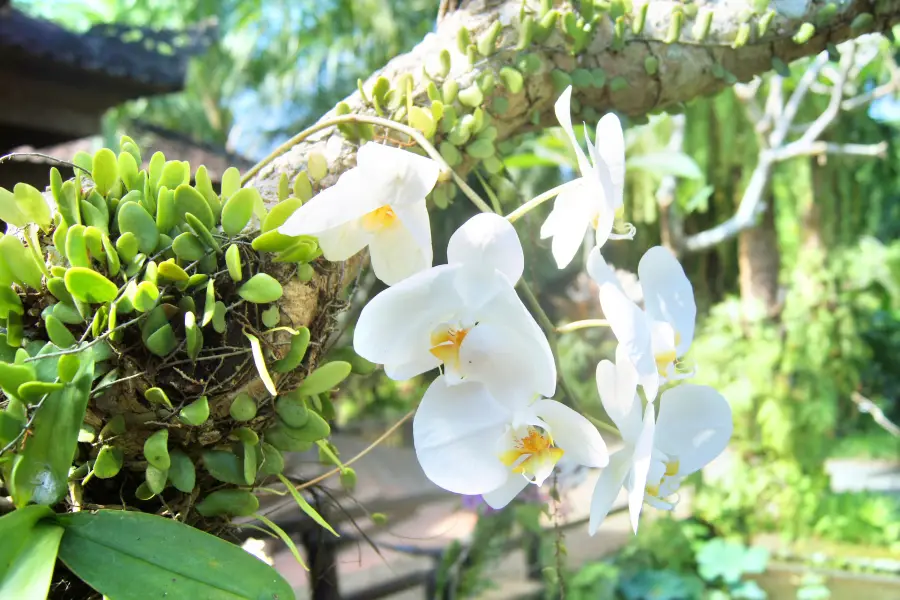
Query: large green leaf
(41, 475)
(667, 163)
(28, 553)
(154, 557)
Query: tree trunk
(759, 263)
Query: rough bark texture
(687, 68)
(759, 264)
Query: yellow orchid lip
(445, 345)
(538, 450)
(379, 218)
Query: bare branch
(830, 113)
(867, 406)
(775, 151)
(795, 149)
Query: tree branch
(775, 149)
(684, 68)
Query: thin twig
(368, 449)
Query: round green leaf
(89, 286)
(163, 341)
(189, 200)
(156, 395)
(109, 460)
(261, 288)
(235, 503)
(33, 391)
(280, 213)
(243, 407)
(134, 219)
(238, 209)
(182, 473)
(105, 170)
(292, 410)
(169, 270)
(195, 413)
(58, 333)
(324, 378)
(32, 205)
(127, 246)
(273, 241)
(296, 352)
(233, 262)
(156, 478)
(188, 247)
(156, 450)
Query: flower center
(663, 494)
(445, 343)
(667, 357)
(533, 454)
(379, 218)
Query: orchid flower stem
(414, 134)
(585, 324)
(547, 325)
(534, 203)
(368, 449)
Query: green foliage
(789, 384)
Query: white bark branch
(775, 149)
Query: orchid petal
(668, 294)
(632, 328)
(600, 271)
(395, 327)
(415, 218)
(610, 146)
(345, 201)
(611, 480)
(518, 351)
(572, 432)
(401, 176)
(694, 427)
(396, 254)
(451, 445)
(491, 241)
(504, 494)
(643, 452)
(563, 111)
(567, 223)
(341, 242)
(617, 386)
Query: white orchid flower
(594, 198)
(470, 443)
(692, 428)
(464, 316)
(656, 337)
(380, 203)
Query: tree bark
(685, 67)
(759, 264)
